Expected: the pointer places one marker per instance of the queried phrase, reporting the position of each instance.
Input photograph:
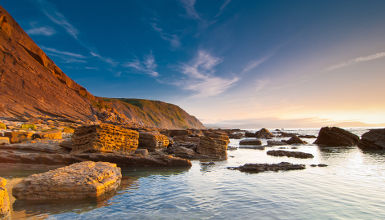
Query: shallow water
(351, 187)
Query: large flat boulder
(263, 167)
(78, 181)
(250, 142)
(18, 136)
(336, 137)
(373, 140)
(104, 138)
(4, 199)
(283, 153)
(213, 145)
(153, 141)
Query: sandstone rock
(4, 140)
(152, 141)
(249, 134)
(104, 138)
(4, 200)
(78, 181)
(275, 143)
(333, 136)
(250, 142)
(263, 167)
(373, 140)
(213, 145)
(55, 134)
(18, 136)
(183, 152)
(143, 152)
(295, 140)
(236, 135)
(264, 133)
(283, 153)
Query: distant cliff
(33, 87)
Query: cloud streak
(44, 31)
(189, 6)
(173, 39)
(147, 66)
(356, 60)
(65, 56)
(200, 76)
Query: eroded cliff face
(33, 87)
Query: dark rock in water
(263, 167)
(236, 135)
(250, 142)
(336, 137)
(152, 141)
(373, 140)
(295, 140)
(282, 148)
(249, 134)
(294, 147)
(275, 143)
(252, 147)
(207, 163)
(296, 154)
(307, 136)
(264, 133)
(313, 165)
(319, 165)
(213, 145)
(232, 148)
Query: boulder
(335, 137)
(152, 141)
(373, 140)
(183, 152)
(4, 140)
(283, 153)
(104, 138)
(18, 136)
(78, 181)
(236, 135)
(295, 140)
(4, 200)
(264, 133)
(213, 145)
(142, 152)
(249, 134)
(275, 143)
(250, 142)
(263, 167)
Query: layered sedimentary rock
(213, 145)
(104, 138)
(263, 167)
(4, 140)
(283, 153)
(78, 181)
(153, 141)
(373, 140)
(4, 199)
(18, 136)
(333, 136)
(264, 133)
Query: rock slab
(373, 140)
(78, 181)
(263, 167)
(284, 153)
(153, 141)
(213, 145)
(336, 137)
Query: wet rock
(249, 134)
(295, 140)
(4, 200)
(307, 136)
(104, 138)
(283, 153)
(213, 145)
(336, 137)
(183, 152)
(142, 152)
(236, 135)
(250, 142)
(264, 133)
(18, 136)
(232, 148)
(373, 140)
(275, 143)
(294, 148)
(319, 165)
(4, 140)
(152, 141)
(263, 167)
(287, 134)
(78, 181)
(207, 163)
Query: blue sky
(221, 59)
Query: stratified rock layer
(4, 199)
(77, 181)
(373, 140)
(250, 142)
(104, 138)
(213, 145)
(336, 137)
(153, 141)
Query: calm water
(351, 187)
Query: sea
(352, 186)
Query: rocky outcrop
(52, 135)
(78, 181)
(373, 140)
(4, 140)
(153, 141)
(264, 133)
(283, 153)
(236, 135)
(249, 134)
(263, 167)
(336, 137)
(104, 138)
(250, 142)
(213, 145)
(4, 200)
(295, 140)
(18, 136)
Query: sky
(258, 63)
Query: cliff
(33, 87)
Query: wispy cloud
(223, 6)
(45, 31)
(65, 56)
(255, 63)
(104, 59)
(147, 66)
(356, 60)
(200, 76)
(173, 39)
(189, 6)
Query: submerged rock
(78, 181)
(319, 165)
(307, 136)
(373, 140)
(264, 133)
(263, 167)
(283, 153)
(4, 199)
(335, 137)
(275, 143)
(152, 141)
(249, 134)
(104, 138)
(250, 142)
(295, 140)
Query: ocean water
(351, 187)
